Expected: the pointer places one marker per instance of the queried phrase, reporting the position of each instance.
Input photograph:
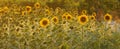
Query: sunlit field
(59, 24)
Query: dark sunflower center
(37, 5)
(107, 17)
(94, 14)
(92, 18)
(17, 29)
(28, 9)
(55, 20)
(45, 22)
(69, 17)
(63, 17)
(83, 19)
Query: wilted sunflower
(55, 19)
(83, 19)
(28, 9)
(84, 12)
(37, 5)
(92, 17)
(44, 22)
(108, 17)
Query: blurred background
(101, 7)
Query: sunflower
(47, 11)
(108, 17)
(92, 17)
(44, 22)
(93, 14)
(37, 5)
(55, 19)
(69, 17)
(84, 12)
(28, 9)
(83, 19)
(75, 13)
(64, 16)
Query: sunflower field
(59, 24)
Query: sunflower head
(108, 17)
(75, 13)
(69, 17)
(84, 12)
(28, 9)
(44, 22)
(37, 5)
(64, 16)
(55, 19)
(83, 19)
(92, 17)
